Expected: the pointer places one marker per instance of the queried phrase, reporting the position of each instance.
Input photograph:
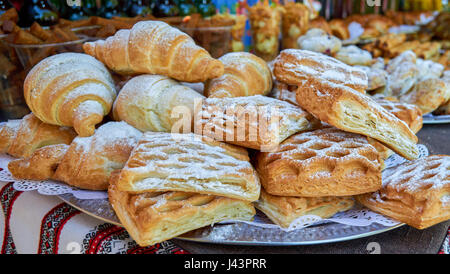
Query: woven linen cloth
(32, 223)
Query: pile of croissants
(81, 128)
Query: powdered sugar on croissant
(157, 48)
(70, 89)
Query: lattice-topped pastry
(257, 122)
(417, 192)
(319, 163)
(190, 163)
(284, 210)
(331, 97)
(293, 65)
(153, 217)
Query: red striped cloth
(36, 224)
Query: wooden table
(401, 240)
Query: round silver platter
(436, 119)
(241, 233)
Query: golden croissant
(20, 138)
(157, 48)
(70, 89)
(156, 103)
(245, 75)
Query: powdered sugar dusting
(109, 134)
(428, 173)
(330, 144)
(321, 66)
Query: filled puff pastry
(320, 163)
(190, 163)
(20, 138)
(416, 193)
(327, 88)
(257, 122)
(284, 210)
(153, 217)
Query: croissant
(146, 102)
(245, 75)
(70, 89)
(20, 138)
(87, 163)
(41, 165)
(154, 47)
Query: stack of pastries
(410, 75)
(295, 137)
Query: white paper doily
(47, 187)
(357, 216)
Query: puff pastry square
(284, 210)
(416, 193)
(320, 163)
(328, 89)
(153, 217)
(257, 122)
(190, 163)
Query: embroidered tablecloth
(32, 223)
(35, 224)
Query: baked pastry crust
(339, 28)
(402, 73)
(20, 138)
(245, 75)
(89, 161)
(284, 92)
(428, 94)
(155, 47)
(417, 192)
(292, 66)
(408, 113)
(333, 99)
(153, 217)
(318, 40)
(377, 77)
(257, 122)
(147, 102)
(189, 163)
(320, 163)
(352, 55)
(41, 165)
(284, 210)
(70, 89)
